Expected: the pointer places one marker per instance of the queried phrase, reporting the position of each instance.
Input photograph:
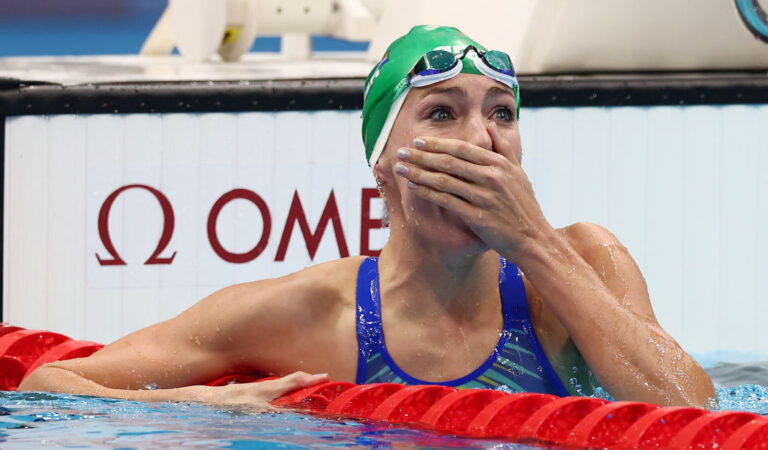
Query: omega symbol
(165, 238)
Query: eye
(504, 114)
(440, 114)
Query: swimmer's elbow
(693, 388)
(39, 380)
(706, 396)
(50, 378)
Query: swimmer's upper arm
(614, 265)
(241, 328)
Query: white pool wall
(685, 188)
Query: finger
(292, 382)
(450, 202)
(443, 183)
(501, 145)
(456, 147)
(443, 162)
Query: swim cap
(387, 85)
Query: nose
(476, 132)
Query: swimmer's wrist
(544, 250)
(534, 247)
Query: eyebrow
(457, 91)
(498, 92)
(493, 94)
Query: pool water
(29, 420)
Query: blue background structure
(100, 27)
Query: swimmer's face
(462, 107)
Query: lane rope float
(573, 422)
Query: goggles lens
(436, 61)
(498, 61)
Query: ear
(378, 173)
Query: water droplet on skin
(575, 383)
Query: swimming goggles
(440, 65)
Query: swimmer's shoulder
(313, 293)
(295, 322)
(595, 245)
(613, 263)
(587, 238)
(332, 283)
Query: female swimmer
(473, 289)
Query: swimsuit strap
(515, 306)
(370, 334)
(514, 302)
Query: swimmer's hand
(256, 397)
(488, 189)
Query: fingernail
(403, 153)
(412, 185)
(401, 169)
(419, 142)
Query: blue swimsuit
(517, 362)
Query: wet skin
(458, 198)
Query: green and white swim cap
(387, 85)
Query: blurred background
(98, 27)
(647, 117)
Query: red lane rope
(408, 405)
(524, 417)
(753, 435)
(658, 427)
(28, 345)
(505, 416)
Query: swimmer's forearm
(257, 396)
(55, 379)
(633, 358)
